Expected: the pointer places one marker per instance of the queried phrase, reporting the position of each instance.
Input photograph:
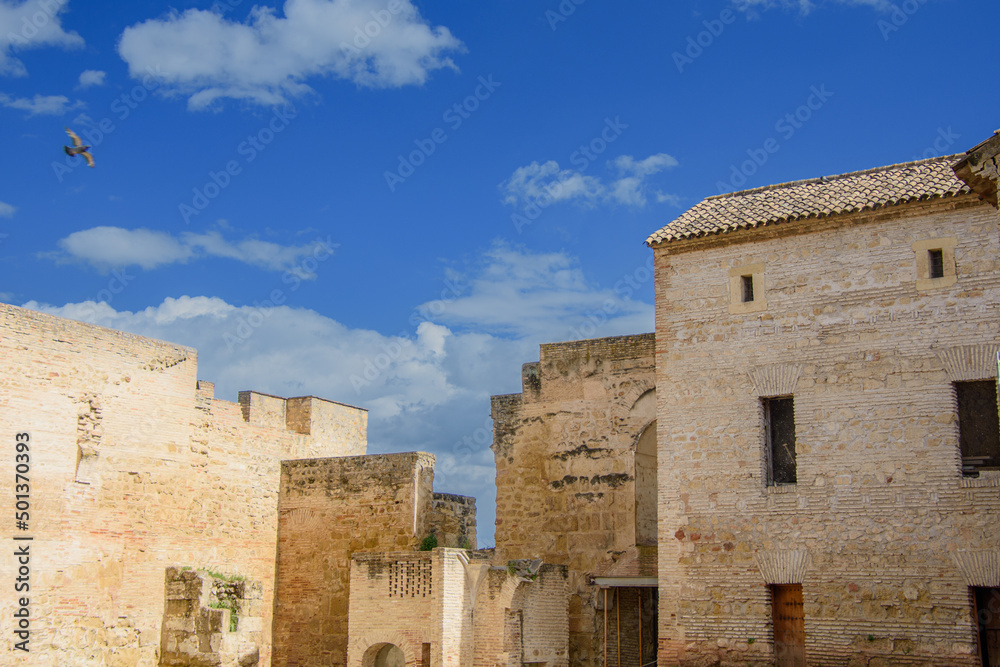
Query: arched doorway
(645, 487)
(390, 656)
(384, 655)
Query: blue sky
(393, 203)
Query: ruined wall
(134, 467)
(210, 620)
(328, 510)
(453, 520)
(565, 456)
(881, 529)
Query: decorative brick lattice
(410, 579)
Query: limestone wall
(330, 509)
(453, 520)
(565, 456)
(134, 467)
(881, 529)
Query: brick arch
(368, 644)
(623, 404)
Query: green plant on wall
(233, 608)
(429, 542)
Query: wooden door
(988, 620)
(788, 615)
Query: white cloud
(6, 210)
(31, 24)
(108, 247)
(92, 77)
(547, 183)
(427, 389)
(541, 296)
(535, 181)
(265, 60)
(48, 105)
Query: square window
(779, 432)
(747, 289)
(936, 263)
(978, 425)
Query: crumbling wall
(565, 456)
(330, 509)
(453, 521)
(881, 530)
(521, 615)
(210, 621)
(134, 467)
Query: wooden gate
(988, 620)
(788, 615)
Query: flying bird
(78, 148)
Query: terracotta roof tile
(817, 198)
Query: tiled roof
(817, 198)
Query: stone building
(827, 423)
(451, 608)
(168, 527)
(576, 484)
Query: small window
(935, 263)
(747, 289)
(779, 427)
(978, 425)
(935, 260)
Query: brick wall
(135, 467)
(881, 529)
(565, 456)
(328, 510)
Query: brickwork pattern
(880, 511)
(136, 468)
(328, 510)
(565, 456)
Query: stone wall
(455, 608)
(135, 467)
(565, 455)
(453, 520)
(210, 621)
(881, 529)
(328, 510)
